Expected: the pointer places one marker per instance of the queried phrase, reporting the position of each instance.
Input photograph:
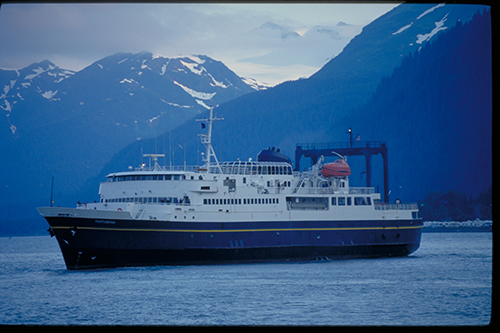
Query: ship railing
(333, 190)
(252, 168)
(361, 190)
(139, 213)
(187, 168)
(141, 201)
(230, 168)
(317, 190)
(387, 206)
(342, 144)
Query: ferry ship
(231, 212)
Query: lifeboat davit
(338, 169)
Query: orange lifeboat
(338, 169)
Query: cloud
(75, 35)
(29, 32)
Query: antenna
(170, 158)
(52, 192)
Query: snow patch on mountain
(439, 26)
(402, 29)
(430, 10)
(7, 106)
(177, 105)
(37, 71)
(164, 68)
(257, 85)
(129, 81)
(192, 67)
(196, 94)
(5, 90)
(217, 83)
(50, 95)
(153, 119)
(203, 104)
(194, 58)
(13, 129)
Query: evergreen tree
(455, 206)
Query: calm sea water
(448, 281)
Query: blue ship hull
(89, 243)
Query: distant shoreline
(465, 226)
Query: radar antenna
(154, 157)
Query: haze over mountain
(307, 46)
(363, 88)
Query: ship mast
(206, 140)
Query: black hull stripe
(109, 258)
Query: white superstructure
(239, 191)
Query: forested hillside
(435, 112)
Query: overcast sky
(74, 36)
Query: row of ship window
(340, 201)
(358, 201)
(145, 177)
(239, 201)
(186, 200)
(153, 200)
(176, 177)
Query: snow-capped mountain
(403, 30)
(68, 124)
(186, 85)
(40, 76)
(22, 88)
(191, 81)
